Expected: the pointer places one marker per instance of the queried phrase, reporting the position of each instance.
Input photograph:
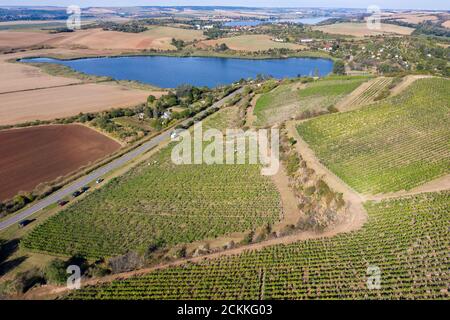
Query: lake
(170, 72)
(253, 23)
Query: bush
(339, 67)
(98, 269)
(56, 272)
(26, 280)
(126, 262)
(248, 238)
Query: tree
(222, 47)
(55, 272)
(179, 44)
(248, 238)
(150, 100)
(339, 67)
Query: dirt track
(33, 155)
(358, 215)
(406, 82)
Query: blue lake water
(170, 72)
(253, 23)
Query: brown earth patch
(41, 154)
(251, 43)
(362, 30)
(357, 214)
(12, 39)
(59, 102)
(19, 76)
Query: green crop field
(161, 200)
(406, 238)
(393, 145)
(290, 100)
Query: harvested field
(446, 24)
(414, 18)
(34, 155)
(19, 76)
(361, 29)
(11, 39)
(252, 43)
(59, 102)
(155, 38)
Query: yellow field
(361, 29)
(252, 43)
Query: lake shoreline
(199, 54)
(200, 71)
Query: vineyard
(406, 238)
(159, 200)
(394, 145)
(294, 99)
(376, 90)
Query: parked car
(76, 194)
(24, 223)
(84, 189)
(98, 181)
(62, 203)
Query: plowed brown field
(30, 156)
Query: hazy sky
(397, 4)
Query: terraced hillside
(406, 238)
(290, 100)
(159, 200)
(394, 145)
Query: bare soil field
(251, 43)
(59, 102)
(154, 38)
(446, 24)
(12, 39)
(361, 29)
(41, 154)
(411, 17)
(18, 77)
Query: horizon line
(218, 6)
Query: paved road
(94, 175)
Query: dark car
(24, 223)
(100, 180)
(62, 203)
(84, 189)
(76, 194)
